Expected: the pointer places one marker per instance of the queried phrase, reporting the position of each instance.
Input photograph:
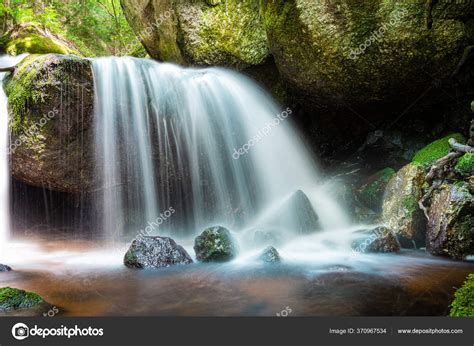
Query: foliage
(13, 298)
(435, 150)
(96, 27)
(463, 303)
(465, 165)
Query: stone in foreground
(215, 244)
(16, 299)
(270, 255)
(379, 239)
(5, 268)
(450, 230)
(155, 252)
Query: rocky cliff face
(51, 106)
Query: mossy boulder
(51, 100)
(450, 229)
(155, 252)
(372, 191)
(30, 38)
(401, 213)
(366, 53)
(215, 244)
(465, 165)
(16, 299)
(435, 150)
(200, 32)
(463, 303)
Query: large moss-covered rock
(215, 244)
(30, 38)
(200, 32)
(463, 303)
(465, 165)
(16, 299)
(450, 230)
(366, 52)
(155, 252)
(401, 213)
(51, 101)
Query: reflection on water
(83, 278)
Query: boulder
(5, 268)
(366, 52)
(215, 244)
(270, 255)
(401, 213)
(51, 102)
(379, 239)
(203, 32)
(155, 252)
(463, 303)
(450, 230)
(33, 39)
(16, 299)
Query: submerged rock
(450, 230)
(155, 252)
(215, 244)
(401, 213)
(270, 255)
(50, 99)
(16, 299)
(379, 239)
(5, 268)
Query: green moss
(465, 165)
(410, 204)
(13, 299)
(463, 303)
(233, 30)
(36, 44)
(435, 150)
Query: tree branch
(7, 69)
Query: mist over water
(209, 143)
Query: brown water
(81, 279)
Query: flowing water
(5, 177)
(208, 143)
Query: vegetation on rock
(465, 165)
(463, 303)
(435, 150)
(215, 244)
(14, 299)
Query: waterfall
(5, 61)
(209, 144)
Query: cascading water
(170, 137)
(5, 61)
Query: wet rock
(155, 252)
(215, 244)
(51, 134)
(372, 191)
(379, 239)
(16, 299)
(5, 268)
(270, 255)
(401, 213)
(450, 230)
